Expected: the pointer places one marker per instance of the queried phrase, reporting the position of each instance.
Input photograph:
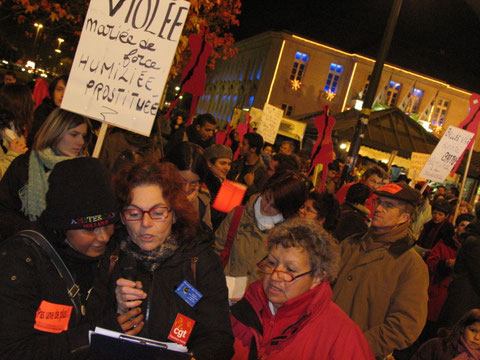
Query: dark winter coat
(436, 349)
(213, 185)
(212, 334)
(28, 277)
(432, 233)
(187, 134)
(353, 220)
(12, 219)
(463, 293)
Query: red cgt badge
(181, 329)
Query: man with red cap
(382, 283)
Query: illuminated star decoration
(296, 84)
(330, 95)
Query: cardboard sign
(270, 123)
(123, 60)
(52, 318)
(446, 154)
(417, 162)
(181, 329)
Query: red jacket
(440, 276)
(309, 326)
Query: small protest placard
(417, 162)
(123, 59)
(270, 123)
(446, 154)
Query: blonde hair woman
(64, 135)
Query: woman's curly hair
(322, 249)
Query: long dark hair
(189, 156)
(469, 318)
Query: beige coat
(384, 291)
(249, 245)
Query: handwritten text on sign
(268, 127)
(123, 59)
(446, 154)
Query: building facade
(300, 76)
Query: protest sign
(417, 162)
(446, 154)
(123, 59)
(270, 122)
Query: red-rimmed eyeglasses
(269, 269)
(155, 213)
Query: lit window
(250, 101)
(392, 93)
(298, 67)
(331, 85)
(440, 111)
(414, 101)
(287, 109)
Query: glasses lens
(159, 212)
(132, 214)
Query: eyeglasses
(268, 269)
(385, 204)
(155, 213)
(308, 209)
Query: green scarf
(33, 194)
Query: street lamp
(60, 41)
(39, 27)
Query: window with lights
(392, 93)
(440, 112)
(298, 68)
(331, 86)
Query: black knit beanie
(80, 196)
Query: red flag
(322, 152)
(470, 124)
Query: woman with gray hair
(289, 314)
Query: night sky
(439, 38)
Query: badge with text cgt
(188, 293)
(181, 329)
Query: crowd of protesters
(370, 269)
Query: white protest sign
(123, 59)
(268, 127)
(445, 155)
(417, 162)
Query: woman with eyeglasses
(190, 159)
(241, 238)
(321, 207)
(164, 255)
(289, 314)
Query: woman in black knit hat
(49, 297)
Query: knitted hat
(218, 151)
(442, 205)
(400, 192)
(80, 196)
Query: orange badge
(52, 318)
(390, 188)
(181, 329)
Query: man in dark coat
(200, 132)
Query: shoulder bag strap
(232, 231)
(193, 266)
(72, 288)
